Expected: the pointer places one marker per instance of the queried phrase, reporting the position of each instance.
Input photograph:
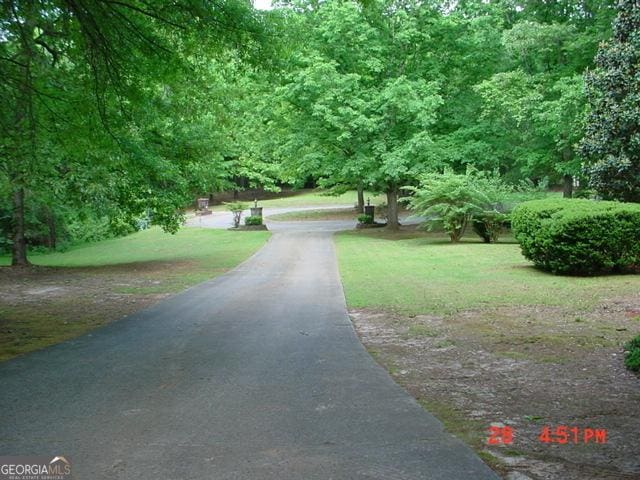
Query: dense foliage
(101, 120)
(632, 354)
(454, 201)
(579, 236)
(118, 114)
(612, 140)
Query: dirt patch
(524, 367)
(41, 306)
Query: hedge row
(579, 237)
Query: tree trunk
(568, 186)
(392, 208)
(567, 156)
(360, 198)
(51, 224)
(25, 141)
(19, 247)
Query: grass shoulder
(66, 294)
(478, 336)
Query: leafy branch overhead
(118, 113)
(100, 108)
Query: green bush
(451, 201)
(579, 237)
(489, 225)
(366, 219)
(583, 192)
(253, 220)
(632, 354)
(237, 208)
(87, 228)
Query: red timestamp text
(563, 434)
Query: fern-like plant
(450, 200)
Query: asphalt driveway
(257, 374)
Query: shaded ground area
(526, 368)
(490, 340)
(45, 305)
(91, 285)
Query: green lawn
(208, 248)
(463, 326)
(414, 273)
(315, 215)
(312, 198)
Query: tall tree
(79, 81)
(612, 141)
(361, 102)
(523, 112)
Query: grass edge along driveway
(477, 335)
(70, 293)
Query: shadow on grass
(430, 237)
(142, 266)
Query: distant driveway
(224, 219)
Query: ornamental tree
(611, 144)
(361, 100)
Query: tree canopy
(119, 113)
(612, 139)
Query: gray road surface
(224, 219)
(257, 374)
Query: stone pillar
(256, 211)
(370, 210)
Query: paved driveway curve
(257, 374)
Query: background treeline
(383, 92)
(117, 114)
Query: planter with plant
(236, 208)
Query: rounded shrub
(579, 236)
(489, 225)
(253, 220)
(632, 354)
(365, 219)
